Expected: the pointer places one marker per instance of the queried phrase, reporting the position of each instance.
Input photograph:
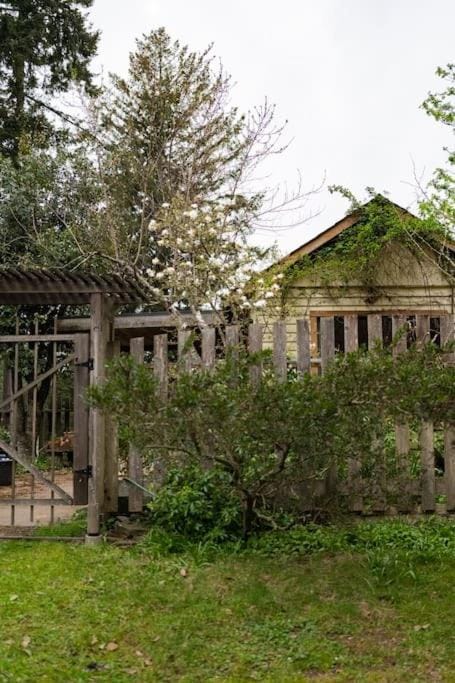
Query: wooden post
(184, 350)
(160, 363)
(402, 438)
(81, 420)
(379, 488)
(374, 330)
(426, 435)
(208, 347)
(112, 447)
(427, 459)
(279, 350)
(99, 331)
(232, 336)
(351, 343)
(327, 332)
(135, 470)
(449, 466)
(255, 346)
(303, 346)
(447, 336)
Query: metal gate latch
(85, 364)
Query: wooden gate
(43, 467)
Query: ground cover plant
(295, 606)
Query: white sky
(348, 75)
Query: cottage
(378, 259)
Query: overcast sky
(348, 75)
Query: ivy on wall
(357, 254)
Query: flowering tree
(204, 260)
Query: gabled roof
(332, 233)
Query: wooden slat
(255, 339)
(351, 336)
(45, 502)
(30, 338)
(327, 336)
(374, 330)
(184, 350)
(135, 469)
(279, 350)
(398, 324)
(449, 466)
(327, 343)
(17, 457)
(111, 470)
(303, 346)
(426, 437)
(232, 336)
(351, 343)
(448, 335)
(81, 419)
(208, 347)
(55, 368)
(402, 438)
(402, 447)
(422, 329)
(160, 363)
(99, 333)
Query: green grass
(273, 613)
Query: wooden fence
(430, 491)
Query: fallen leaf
(138, 653)
(13, 598)
(183, 572)
(94, 640)
(111, 647)
(26, 640)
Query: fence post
(184, 350)
(303, 346)
(447, 336)
(255, 346)
(99, 334)
(81, 418)
(327, 339)
(135, 470)
(379, 488)
(160, 363)
(112, 454)
(208, 347)
(279, 350)
(426, 435)
(402, 439)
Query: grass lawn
(74, 613)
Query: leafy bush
(263, 440)
(198, 504)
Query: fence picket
(184, 350)
(255, 340)
(208, 347)
(135, 470)
(447, 331)
(327, 344)
(374, 330)
(351, 343)
(402, 435)
(303, 346)
(160, 363)
(279, 350)
(426, 434)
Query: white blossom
(165, 205)
(262, 303)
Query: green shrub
(198, 505)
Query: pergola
(103, 294)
